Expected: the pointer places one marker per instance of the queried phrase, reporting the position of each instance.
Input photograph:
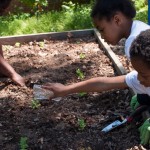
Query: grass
(72, 17)
(67, 19)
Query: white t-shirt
(136, 29)
(133, 83)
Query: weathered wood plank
(11, 40)
(118, 65)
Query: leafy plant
(86, 148)
(41, 44)
(17, 44)
(36, 5)
(82, 56)
(23, 143)
(81, 124)
(52, 21)
(81, 94)
(141, 10)
(80, 74)
(35, 104)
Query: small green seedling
(86, 148)
(78, 42)
(80, 74)
(35, 104)
(17, 44)
(82, 56)
(41, 44)
(23, 143)
(81, 94)
(81, 124)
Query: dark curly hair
(141, 47)
(108, 8)
(4, 4)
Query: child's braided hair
(141, 46)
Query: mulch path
(54, 125)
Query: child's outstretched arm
(7, 70)
(98, 84)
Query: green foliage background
(141, 10)
(71, 17)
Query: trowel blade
(113, 125)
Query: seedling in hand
(80, 74)
(23, 143)
(35, 104)
(81, 124)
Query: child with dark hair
(5, 68)
(114, 20)
(138, 80)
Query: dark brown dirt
(54, 125)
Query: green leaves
(80, 74)
(33, 3)
(141, 10)
(36, 5)
(35, 104)
(81, 124)
(81, 94)
(17, 44)
(23, 143)
(82, 56)
(41, 44)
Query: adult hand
(18, 80)
(58, 89)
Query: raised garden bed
(55, 125)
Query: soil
(54, 124)
(120, 53)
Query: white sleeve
(134, 84)
(128, 45)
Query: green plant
(81, 124)
(35, 104)
(17, 44)
(82, 56)
(77, 13)
(41, 44)
(52, 21)
(141, 10)
(80, 74)
(36, 5)
(23, 143)
(81, 94)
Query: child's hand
(18, 80)
(58, 89)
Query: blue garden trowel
(129, 119)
